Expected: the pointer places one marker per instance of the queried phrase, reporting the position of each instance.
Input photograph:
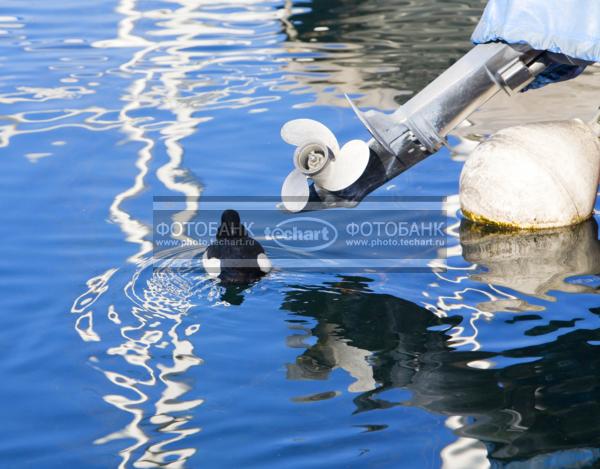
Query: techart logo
(303, 234)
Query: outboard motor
(327, 176)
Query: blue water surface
(109, 362)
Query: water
(108, 362)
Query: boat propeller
(319, 157)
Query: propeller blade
(346, 168)
(295, 191)
(301, 131)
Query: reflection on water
(384, 51)
(159, 351)
(361, 332)
(533, 263)
(542, 407)
(180, 97)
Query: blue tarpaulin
(570, 27)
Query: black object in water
(235, 257)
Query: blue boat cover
(570, 27)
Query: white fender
(533, 176)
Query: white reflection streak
(132, 406)
(143, 94)
(170, 402)
(445, 304)
(97, 286)
(185, 123)
(132, 351)
(92, 123)
(135, 231)
(464, 452)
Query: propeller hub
(311, 158)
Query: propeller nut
(311, 158)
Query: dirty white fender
(533, 176)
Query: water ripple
(149, 77)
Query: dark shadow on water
(544, 404)
(234, 294)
